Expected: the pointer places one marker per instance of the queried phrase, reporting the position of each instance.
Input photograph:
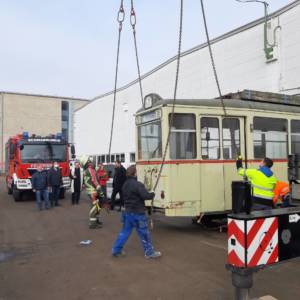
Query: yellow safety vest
(262, 185)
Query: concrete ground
(40, 258)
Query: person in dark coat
(118, 181)
(76, 176)
(54, 182)
(135, 194)
(40, 187)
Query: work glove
(95, 202)
(239, 163)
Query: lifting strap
(173, 106)
(133, 23)
(120, 19)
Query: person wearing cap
(134, 216)
(262, 181)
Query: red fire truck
(24, 153)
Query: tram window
(118, 157)
(183, 137)
(295, 136)
(149, 140)
(210, 138)
(231, 138)
(270, 137)
(102, 159)
(107, 158)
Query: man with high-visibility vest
(282, 194)
(262, 181)
(93, 190)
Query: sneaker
(155, 254)
(120, 254)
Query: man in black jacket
(40, 187)
(54, 182)
(135, 194)
(119, 179)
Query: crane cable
(178, 57)
(212, 58)
(236, 148)
(120, 19)
(133, 23)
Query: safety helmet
(84, 161)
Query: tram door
(222, 140)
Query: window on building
(112, 158)
(122, 155)
(107, 158)
(132, 157)
(210, 138)
(65, 119)
(231, 138)
(270, 137)
(295, 136)
(117, 157)
(102, 158)
(183, 137)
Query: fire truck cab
(24, 153)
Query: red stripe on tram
(195, 161)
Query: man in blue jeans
(134, 195)
(40, 187)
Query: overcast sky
(68, 47)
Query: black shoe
(120, 254)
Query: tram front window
(183, 137)
(149, 140)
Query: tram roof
(244, 100)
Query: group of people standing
(46, 185)
(131, 192)
(132, 196)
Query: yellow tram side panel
(192, 188)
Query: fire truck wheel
(62, 194)
(17, 194)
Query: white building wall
(241, 64)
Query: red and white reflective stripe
(258, 246)
(262, 241)
(236, 243)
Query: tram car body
(204, 144)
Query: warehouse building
(246, 58)
(38, 114)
